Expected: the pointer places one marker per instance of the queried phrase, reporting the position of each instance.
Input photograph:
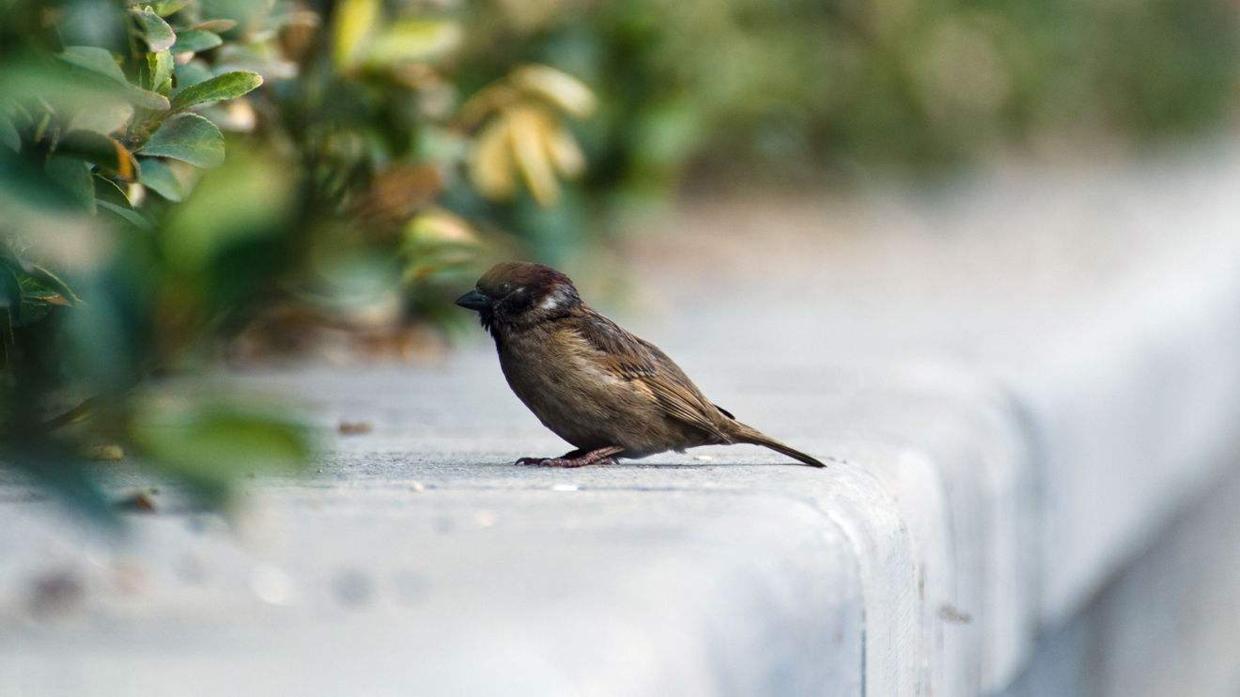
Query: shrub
(172, 171)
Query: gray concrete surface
(1020, 383)
(1167, 625)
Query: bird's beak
(473, 300)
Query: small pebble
(139, 502)
(354, 428)
(56, 592)
(353, 588)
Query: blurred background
(194, 182)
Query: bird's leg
(600, 456)
(577, 458)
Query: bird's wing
(643, 364)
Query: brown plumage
(606, 391)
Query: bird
(604, 390)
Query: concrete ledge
(495, 591)
(1167, 625)
(995, 464)
(1136, 416)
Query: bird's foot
(577, 458)
(576, 461)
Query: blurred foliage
(175, 174)
(186, 178)
(745, 92)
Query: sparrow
(607, 392)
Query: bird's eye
(505, 287)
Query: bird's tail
(748, 434)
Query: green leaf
(195, 40)
(226, 86)
(94, 147)
(104, 119)
(9, 137)
(34, 292)
(95, 59)
(29, 302)
(100, 62)
(32, 311)
(162, 177)
(108, 190)
(73, 175)
(23, 300)
(26, 186)
(188, 138)
(211, 443)
(47, 279)
(130, 216)
(147, 99)
(68, 87)
(159, 65)
(155, 31)
(169, 7)
(34, 204)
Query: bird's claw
(527, 461)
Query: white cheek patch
(553, 301)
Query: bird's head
(517, 293)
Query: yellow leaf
(564, 152)
(557, 87)
(352, 25)
(527, 133)
(441, 227)
(438, 241)
(490, 162)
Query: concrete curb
(982, 491)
